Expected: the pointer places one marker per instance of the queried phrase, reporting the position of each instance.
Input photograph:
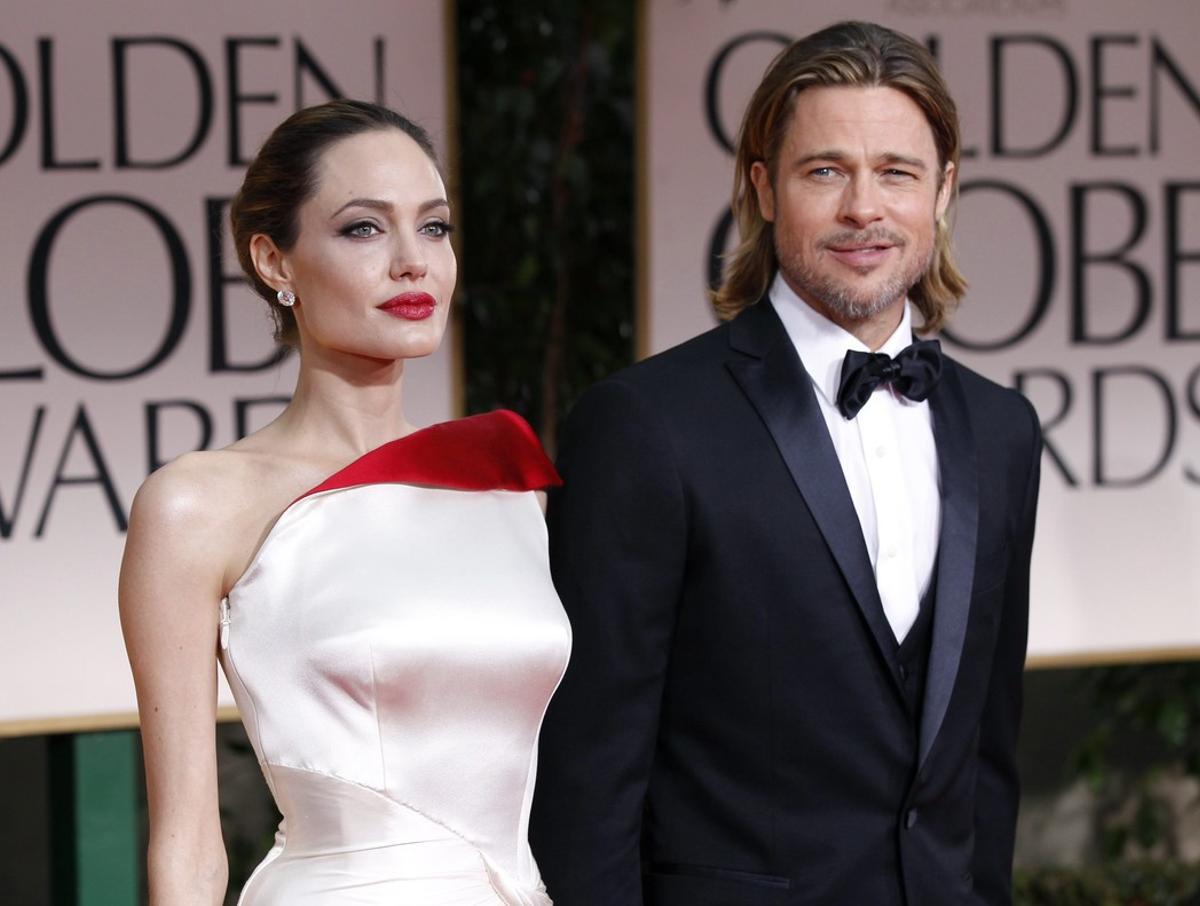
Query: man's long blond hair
(855, 55)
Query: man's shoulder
(680, 365)
(701, 352)
(979, 386)
(676, 386)
(990, 400)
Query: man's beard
(836, 296)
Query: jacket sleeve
(617, 551)
(998, 791)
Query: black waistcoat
(910, 659)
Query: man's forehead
(849, 120)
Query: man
(798, 579)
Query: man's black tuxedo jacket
(729, 730)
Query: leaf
(1173, 722)
(1148, 822)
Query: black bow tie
(913, 372)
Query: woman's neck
(345, 406)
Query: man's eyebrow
(829, 154)
(386, 206)
(914, 162)
(836, 156)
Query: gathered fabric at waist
(344, 843)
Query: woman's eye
(361, 230)
(437, 228)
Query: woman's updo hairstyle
(283, 175)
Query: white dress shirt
(887, 454)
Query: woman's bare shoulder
(208, 486)
(213, 503)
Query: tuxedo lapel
(776, 384)
(956, 549)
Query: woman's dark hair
(283, 175)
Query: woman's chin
(419, 349)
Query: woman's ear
(269, 262)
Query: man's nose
(861, 203)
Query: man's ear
(761, 178)
(269, 262)
(945, 191)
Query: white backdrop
(1078, 228)
(125, 335)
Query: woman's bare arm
(170, 590)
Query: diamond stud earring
(286, 297)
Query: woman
(378, 596)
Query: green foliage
(547, 209)
(1158, 699)
(1139, 884)
(1148, 720)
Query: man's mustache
(855, 239)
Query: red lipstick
(410, 306)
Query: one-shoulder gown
(392, 649)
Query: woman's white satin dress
(392, 649)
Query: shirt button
(910, 819)
(881, 451)
(891, 552)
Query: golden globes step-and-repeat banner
(1078, 227)
(126, 334)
